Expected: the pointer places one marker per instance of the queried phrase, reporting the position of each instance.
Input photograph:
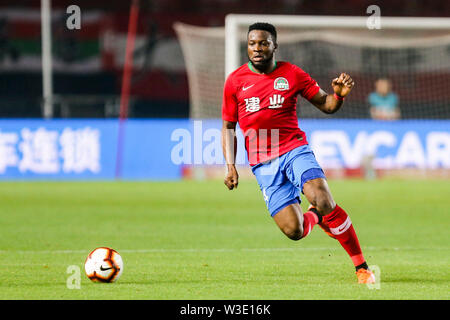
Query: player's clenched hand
(232, 177)
(342, 85)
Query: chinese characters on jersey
(252, 104)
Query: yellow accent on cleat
(365, 276)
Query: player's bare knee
(325, 204)
(322, 200)
(318, 194)
(295, 236)
(294, 233)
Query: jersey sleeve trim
(308, 87)
(229, 103)
(311, 92)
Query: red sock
(342, 229)
(310, 219)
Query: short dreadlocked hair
(266, 27)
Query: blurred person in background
(383, 102)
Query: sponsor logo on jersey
(276, 101)
(281, 84)
(252, 104)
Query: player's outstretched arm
(330, 103)
(229, 147)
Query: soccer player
(261, 96)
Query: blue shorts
(281, 179)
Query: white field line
(195, 250)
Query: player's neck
(272, 66)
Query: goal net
(413, 54)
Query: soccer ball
(103, 265)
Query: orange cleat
(365, 276)
(323, 225)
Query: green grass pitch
(197, 240)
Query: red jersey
(264, 105)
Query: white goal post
(47, 81)
(234, 21)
